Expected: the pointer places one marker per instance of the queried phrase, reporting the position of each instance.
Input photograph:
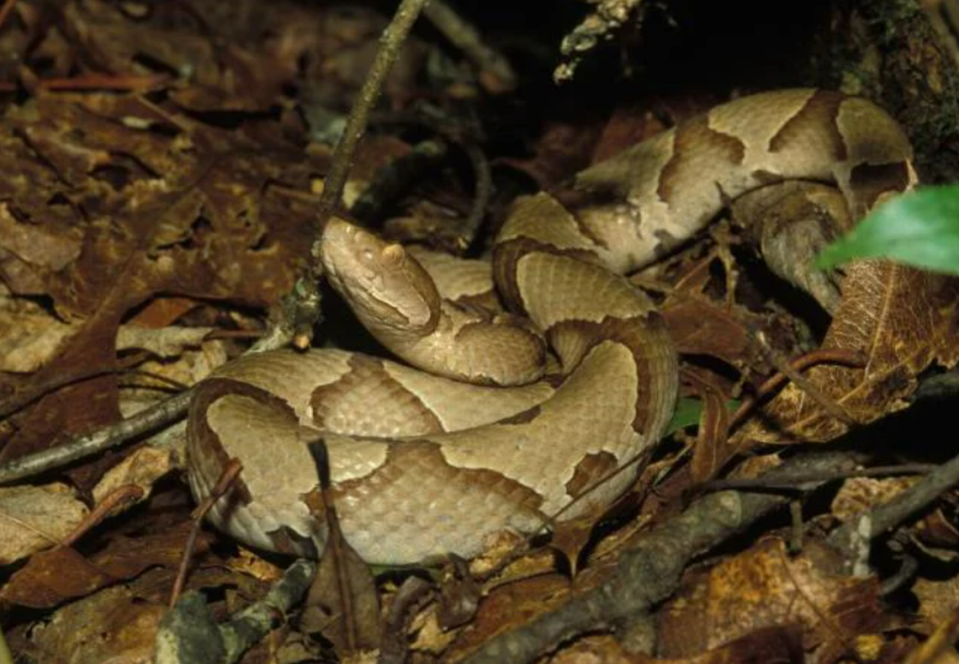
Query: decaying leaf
(902, 319)
(509, 606)
(858, 494)
(765, 588)
(165, 341)
(325, 611)
(459, 594)
(29, 335)
(141, 469)
(33, 518)
(782, 645)
(711, 451)
(115, 624)
(52, 577)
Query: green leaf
(920, 228)
(688, 411)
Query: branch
(854, 537)
(304, 309)
(189, 634)
(392, 40)
(150, 419)
(650, 572)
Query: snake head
(384, 286)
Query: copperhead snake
(424, 465)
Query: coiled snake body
(424, 465)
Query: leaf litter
(163, 163)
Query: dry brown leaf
(938, 530)
(699, 327)
(190, 367)
(33, 518)
(29, 335)
(165, 341)
(571, 536)
(52, 577)
(508, 607)
(902, 319)
(141, 468)
(163, 311)
(114, 625)
(782, 645)
(858, 494)
(763, 588)
(938, 599)
(324, 608)
(431, 638)
(532, 563)
(940, 647)
(46, 248)
(711, 451)
(204, 228)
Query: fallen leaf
(52, 577)
(141, 468)
(902, 319)
(508, 607)
(165, 341)
(764, 587)
(29, 335)
(33, 518)
(858, 494)
(324, 607)
(782, 645)
(113, 625)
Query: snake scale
(424, 465)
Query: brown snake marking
(486, 459)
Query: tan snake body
(425, 466)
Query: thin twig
(392, 40)
(794, 482)
(160, 378)
(223, 483)
(105, 82)
(23, 398)
(651, 570)
(152, 418)
(481, 196)
(305, 309)
(811, 390)
(396, 177)
(121, 496)
(496, 74)
(854, 536)
(233, 334)
(801, 363)
(466, 138)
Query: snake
(519, 420)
